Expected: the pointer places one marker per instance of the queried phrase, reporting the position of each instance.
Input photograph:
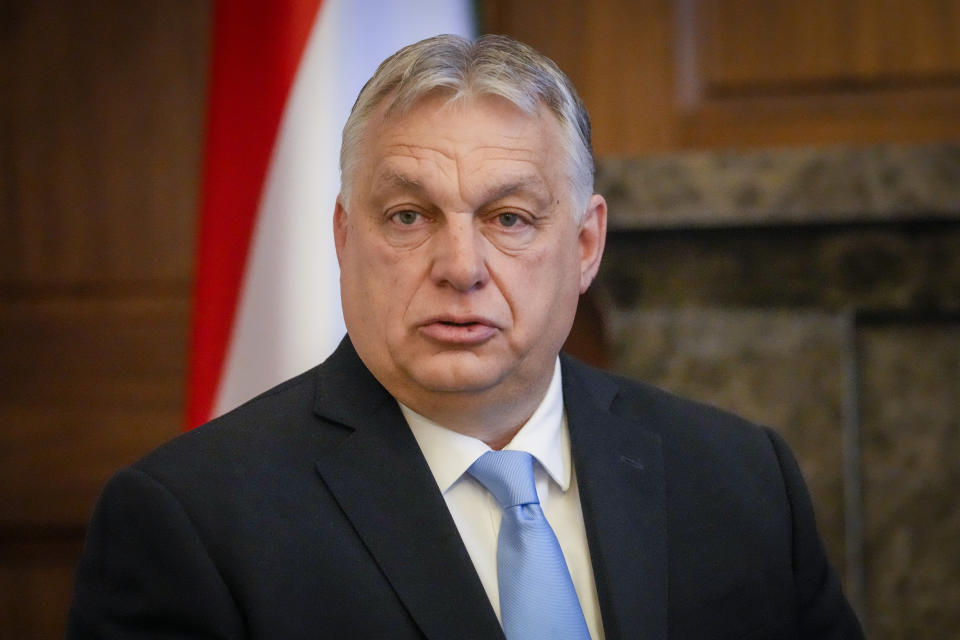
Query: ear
(592, 238)
(339, 229)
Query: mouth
(459, 331)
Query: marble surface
(782, 186)
(911, 471)
(914, 268)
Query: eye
(508, 219)
(406, 218)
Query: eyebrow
(396, 180)
(533, 186)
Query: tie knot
(508, 476)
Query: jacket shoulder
(652, 407)
(290, 399)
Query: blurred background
(784, 183)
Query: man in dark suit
(351, 501)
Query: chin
(456, 373)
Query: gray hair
(491, 65)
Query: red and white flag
(284, 76)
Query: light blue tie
(537, 598)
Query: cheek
(542, 283)
(365, 277)
(378, 278)
(373, 260)
(554, 265)
(385, 279)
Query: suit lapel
(383, 484)
(619, 471)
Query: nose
(459, 255)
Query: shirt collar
(544, 435)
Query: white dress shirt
(476, 513)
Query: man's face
(462, 255)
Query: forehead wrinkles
(482, 143)
(464, 127)
(481, 173)
(406, 142)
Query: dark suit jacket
(310, 512)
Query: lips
(459, 331)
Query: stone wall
(817, 291)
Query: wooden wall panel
(101, 140)
(628, 85)
(89, 386)
(823, 73)
(668, 75)
(843, 117)
(36, 584)
(756, 43)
